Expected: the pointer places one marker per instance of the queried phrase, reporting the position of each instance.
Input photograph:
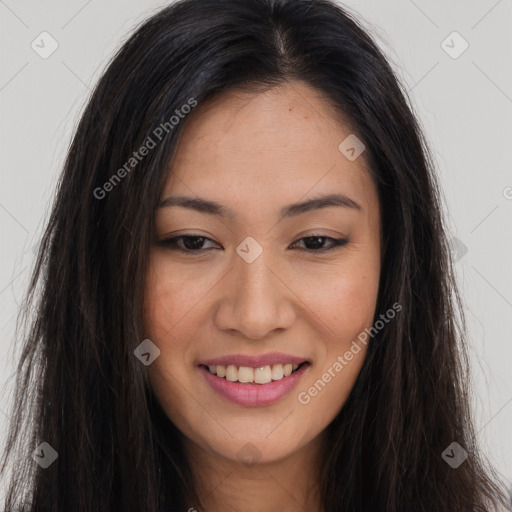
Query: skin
(257, 153)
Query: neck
(290, 484)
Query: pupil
(193, 242)
(317, 239)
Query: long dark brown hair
(78, 385)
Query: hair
(79, 386)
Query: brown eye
(186, 243)
(316, 243)
(195, 243)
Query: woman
(246, 293)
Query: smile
(246, 374)
(253, 387)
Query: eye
(315, 243)
(195, 243)
(186, 243)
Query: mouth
(249, 375)
(254, 386)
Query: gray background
(464, 104)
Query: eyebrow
(291, 210)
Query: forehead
(266, 147)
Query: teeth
(262, 375)
(231, 373)
(245, 374)
(277, 372)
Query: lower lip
(254, 395)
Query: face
(254, 287)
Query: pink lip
(254, 395)
(254, 361)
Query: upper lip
(254, 361)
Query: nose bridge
(256, 302)
(256, 279)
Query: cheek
(342, 297)
(325, 393)
(168, 319)
(343, 302)
(341, 350)
(169, 323)
(171, 294)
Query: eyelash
(172, 243)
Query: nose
(257, 299)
